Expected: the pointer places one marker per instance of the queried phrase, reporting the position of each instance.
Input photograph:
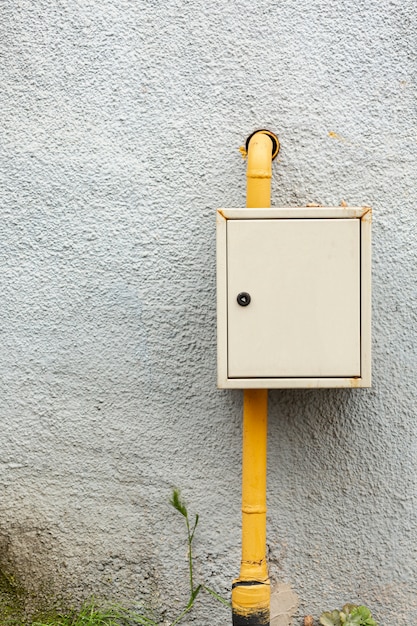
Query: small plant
(91, 614)
(179, 505)
(350, 615)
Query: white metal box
(294, 297)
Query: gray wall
(121, 123)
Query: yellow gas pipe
(251, 591)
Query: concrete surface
(120, 125)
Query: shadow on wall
(29, 570)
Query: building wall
(121, 126)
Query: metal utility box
(294, 297)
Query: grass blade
(217, 596)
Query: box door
(303, 279)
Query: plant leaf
(217, 596)
(362, 615)
(330, 618)
(194, 527)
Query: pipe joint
(250, 603)
(253, 509)
(253, 173)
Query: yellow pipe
(259, 172)
(251, 591)
(255, 421)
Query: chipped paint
(284, 604)
(367, 215)
(334, 135)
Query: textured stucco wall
(120, 128)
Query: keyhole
(243, 298)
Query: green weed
(94, 614)
(350, 615)
(180, 506)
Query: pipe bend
(274, 139)
(259, 168)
